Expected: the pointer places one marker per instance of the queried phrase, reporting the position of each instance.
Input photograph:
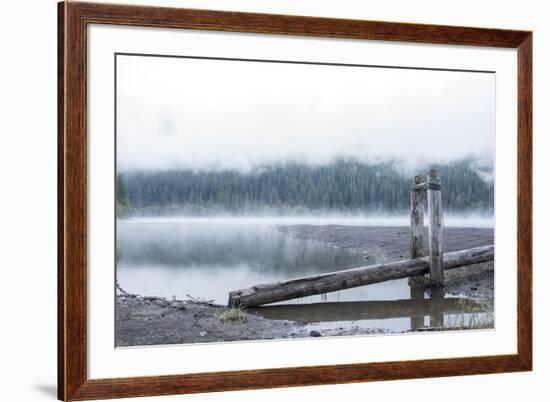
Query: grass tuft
(473, 316)
(232, 314)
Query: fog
(214, 114)
(472, 220)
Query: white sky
(213, 114)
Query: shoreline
(155, 320)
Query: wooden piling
(417, 220)
(435, 232)
(417, 226)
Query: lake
(205, 259)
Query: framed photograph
(253, 201)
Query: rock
(178, 305)
(315, 333)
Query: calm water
(206, 259)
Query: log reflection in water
(416, 309)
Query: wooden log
(334, 281)
(435, 231)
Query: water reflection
(261, 248)
(210, 260)
(416, 314)
(362, 310)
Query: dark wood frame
(73, 383)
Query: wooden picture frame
(73, 381)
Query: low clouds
(210, 114)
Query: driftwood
(334, 281)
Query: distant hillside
(343, 186)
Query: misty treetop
(340, 187)
(122, 201)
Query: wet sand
(155, 321)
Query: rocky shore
(157, 321)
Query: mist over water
(207, 259)
(471, 220)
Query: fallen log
(350, 278)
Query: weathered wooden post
(435, 231)
(417, 219)
(417, 226)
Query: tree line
(342, 186)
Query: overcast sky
(212, 114)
